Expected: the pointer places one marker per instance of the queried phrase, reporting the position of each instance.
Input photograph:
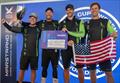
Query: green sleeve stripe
(75, 34)
(110, 28)
(81, 32)
(37, 45)
(82, 28)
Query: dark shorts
(25, 61)
(104, 66)
(50, 55)
(67, 57)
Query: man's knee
(66, 74)
(80, 70)
(92, 71)
(108, 74)
(33, 71)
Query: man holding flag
(75, 30)
(98, 29)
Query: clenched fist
(70, 42)
(64, 29)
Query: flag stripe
(100, 50)
(95, 61)
(89, 56)
(100, 44)
(100, 41)
(94, 58)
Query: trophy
(20, 11)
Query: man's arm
(80, 33)
(12, 28)
(57, 25)
(111, 30)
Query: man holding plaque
(31, 34)
(49, 54)
(75, 30)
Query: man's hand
(70, 42)
(114, 35)
(14, 19)
(64, 29)
(3, 21)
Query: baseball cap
(33, 15)
(49, 8)
(69, 6)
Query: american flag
(96, 52)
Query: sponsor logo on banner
(8, 44)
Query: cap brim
(33, 16)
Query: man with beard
(100, 28)
(49, 55)
(75, 30)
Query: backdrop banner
(11, 44)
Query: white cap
(33, 15)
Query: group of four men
(75, 28)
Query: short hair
(69, 6)
(49, 8)
(95, 3)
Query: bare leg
(93, 76)
(33, 76)
(21, 76)
(43, 80)
(109, 77)
(66, 76)
(81, 75)
(55, 80)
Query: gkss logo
(9, 12)
(9, 15)
(84, 14)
